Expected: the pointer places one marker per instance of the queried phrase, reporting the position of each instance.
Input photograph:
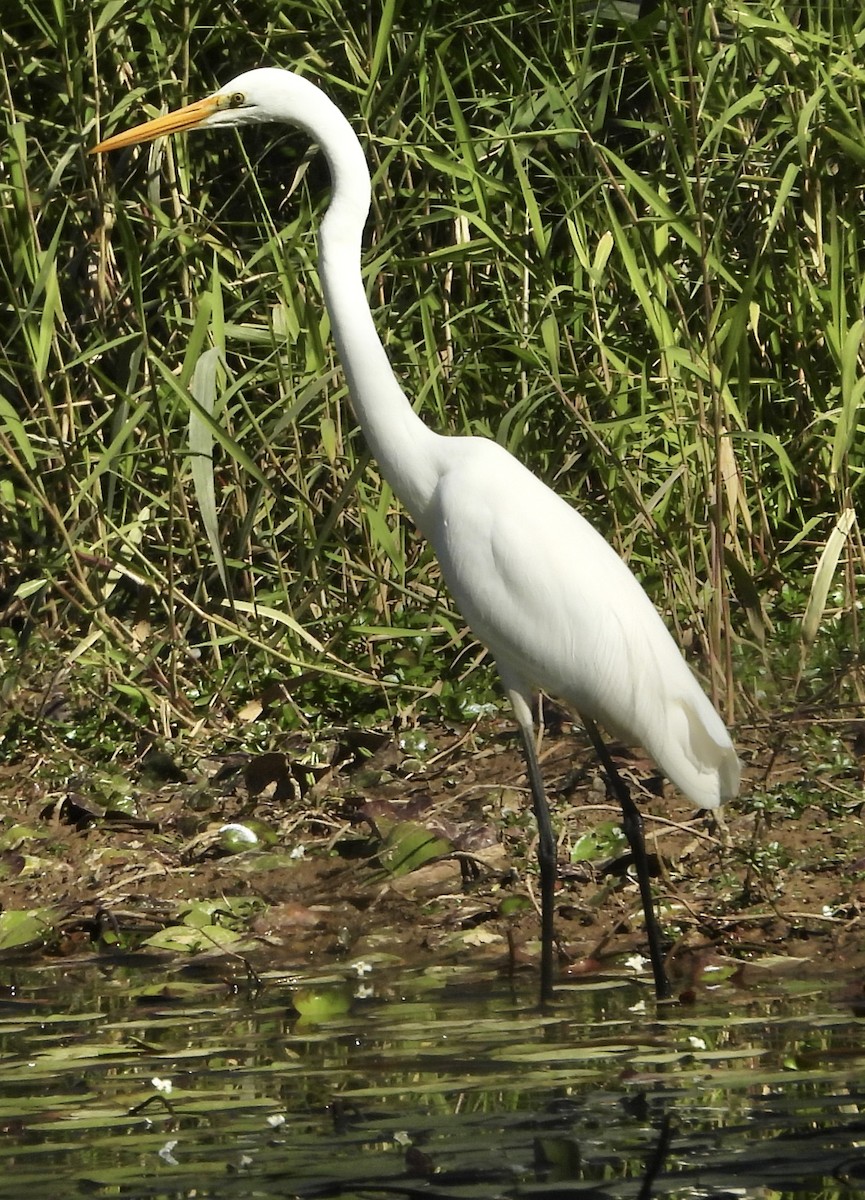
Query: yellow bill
(174, 122)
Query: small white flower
(276, 1120)
(162, 1085)
(636, 962)
(364, 991)
(298, 852)
(361, 968)
(697, 1043)
(828, 910)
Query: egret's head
(266, 94)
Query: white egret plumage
(538, 585)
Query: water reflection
(117, 1081)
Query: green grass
(632, 253)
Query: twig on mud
(652, 818)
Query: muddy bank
(420, 845)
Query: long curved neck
(399, 441)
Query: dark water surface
(117, 1081)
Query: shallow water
(128, 1082)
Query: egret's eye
(236, 100)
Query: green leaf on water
(25, 927)
(322, 1004)
(190, 939)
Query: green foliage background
(631, 251)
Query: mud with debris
(420, 845)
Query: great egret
(553, 602)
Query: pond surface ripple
(121, 1081)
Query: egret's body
(510, 547)
(555, 604)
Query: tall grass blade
(824, 574)
(204, 388)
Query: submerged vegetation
(358, 1083)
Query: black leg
(632, 824)
(656, 1162)
(546, 858)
